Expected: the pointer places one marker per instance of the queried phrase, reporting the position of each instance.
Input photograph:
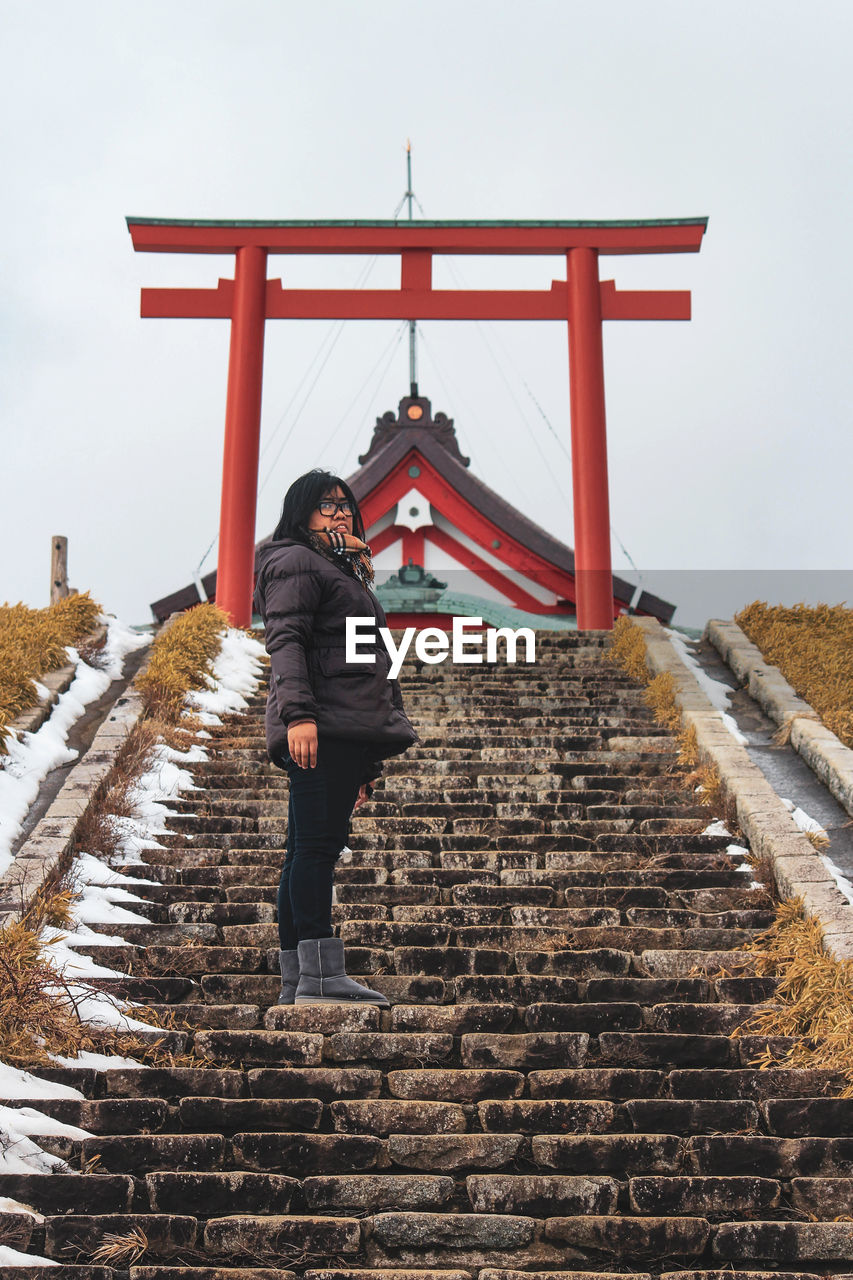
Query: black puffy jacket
(305, 599)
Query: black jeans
(321, 803)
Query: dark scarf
(344, 547)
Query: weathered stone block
(775, 1157)
(247, 1236)
(378, 1046)
(455, 1085)
(541, 1195)
(596, 1082)
(132, 1153)
(76, 1236)
(204, 1194)
(823, 1197)
(609, 1153)
(677, 1115)
(632, 1237)
(775, 1082)
(818, 1117)
(525, 1051)
(651, 1050)
(383, 1116)
(374, 1193)
(307, 1152)
(592, 963)
(322, 1019)
(227, 1115)
(589, 1017)
(453, 1019)
(454, 1151)
(710, 1197)
(784, 1241)
(552, 1116)
(325, 1083)
(451, 1231)
(294, 1047)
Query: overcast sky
(729, 437)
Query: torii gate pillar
(593, 578)
(235, 570)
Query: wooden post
(58, 568)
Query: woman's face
(339, 522)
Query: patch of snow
(14, 1258)
(100, 1009)
(840, 879)
(97, 1061)
(802, 819)
(717, 693)
(71, 965)
(32, 756)
(19, 1154)
(716, 828)
(14, 1206)
(28, 1121)
(237, 671)
(15, 1083)
(736, 850)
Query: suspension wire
(390, 347)
(545, 418)
(378, 385)
(521, 413)
(450, 397)
(455, 397)
(335, 329)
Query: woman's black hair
(302, 498)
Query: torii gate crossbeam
(582, 300)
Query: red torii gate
(582, 300)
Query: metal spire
(413, 353)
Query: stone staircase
(555, 1088)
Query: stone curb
(763, 818)
(46, 854)
(824, 753)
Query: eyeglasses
(328, 507)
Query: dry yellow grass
(37, 1012)
(181, 660)
(32, 642)
(660, 696)
(814, 995)
(121, 1250)
(629, 650)
(813, 648)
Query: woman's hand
(363, 794)
(302, 744)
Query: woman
(328, 723)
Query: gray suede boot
(289, 961)
(323, 978)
